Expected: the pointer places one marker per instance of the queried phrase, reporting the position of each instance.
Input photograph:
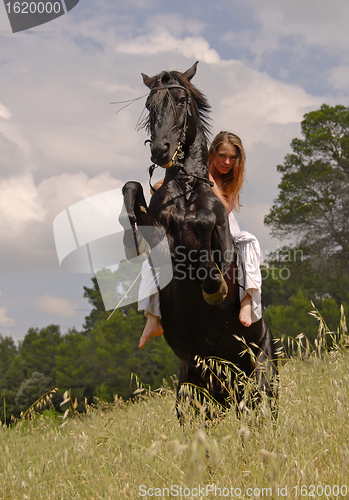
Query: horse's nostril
(160, 149)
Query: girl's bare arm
(229, 203)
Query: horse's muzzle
(160, 154)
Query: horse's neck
(196, 158)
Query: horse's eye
(181, 101)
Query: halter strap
(178, 154)
(172, 86)
(181, 167)
(151, 171)
(204, 179)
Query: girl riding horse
(226, 171)
(201, 305)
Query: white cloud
(4, 112)
(318, 21)
(27, 211)
(339, 77)
(162, 41)
(176, 24)
(23, 203)
(4, 319)
(250, 103)
(14, 146)
(56, 306)
(61, 191)
(314, 29)
(19, 204)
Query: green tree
(31, 389)
(115, 285)
(38, 350)
(98, 312)
(8, 351)
(117, 341)
(8, 355)
(100, 360)
(74, 366)
(292, 319)
(101, 363)
(36, 353)
(313, 203)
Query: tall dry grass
(138, 450)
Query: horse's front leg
(214, 286)
(141, 232)
(134, 213)
(135, 205)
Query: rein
(175, 163)
(178, 154)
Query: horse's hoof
(214, 299)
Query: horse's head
(174, 107)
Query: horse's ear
(147, 80)
(191, 71)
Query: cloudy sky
(263, 64)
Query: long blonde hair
(232, 181)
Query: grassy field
(138, 450)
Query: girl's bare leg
(152, 328)
(245, 310)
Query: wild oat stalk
(42, 402)
(340, 338)
(198, 400)
(142, 389)
(231, 379)
(71, 408)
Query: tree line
(95, 362)
(311, 211)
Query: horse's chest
(178, 216)
(182, 227)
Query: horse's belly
(194, 328)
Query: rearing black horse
(200, 309)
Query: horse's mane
(155, 100)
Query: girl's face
(224, 159)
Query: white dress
(249, 274)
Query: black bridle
(178, 153)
